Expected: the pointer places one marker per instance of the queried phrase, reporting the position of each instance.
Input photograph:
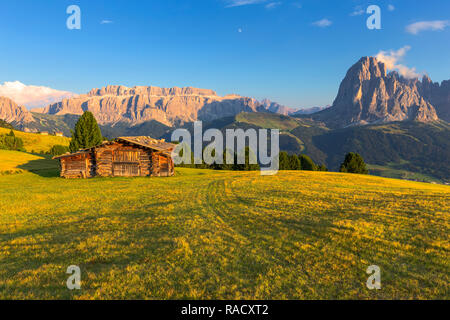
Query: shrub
(58, 150)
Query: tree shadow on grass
(44, 167)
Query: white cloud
(272, 5)
(238, 3)
(298, 5)
(323, 23)
(358, 11)
(391, 59)
(32, 96)
(106, 22)
(391, 7)
(436, 25)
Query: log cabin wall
(78, 166)
(155, 169)
(162, 165)
(117, 159)
(122, 160)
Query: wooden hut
(123, 157)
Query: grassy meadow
(221, 235)
(13, 162)
(34, 142)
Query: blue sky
(264, 49)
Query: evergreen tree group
(11, 142)
(298, 162)
(354, 163)
(249, 165)
(286, 162)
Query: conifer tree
(294, 162)
(307, 163)
(354, 163)
(87, 133)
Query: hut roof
(143, 141)
(149, 142)
(68, 154)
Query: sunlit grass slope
(268, 120)
(12, 162)
(216, 235)
(36, 142)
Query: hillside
(36, 142)
(412, 146)
(4, 124)
(218, 235)
(14, 162)
(268, 120)
(51, 123)
(415, 150)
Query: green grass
(268, 120)
(393, 171)
(223, 235)
(36, 142)
(14, 162)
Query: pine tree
(87, 133)
(250, 159)
(354, 163)
(294, 162)
(225, 165)
(284, 161)
(307, 163)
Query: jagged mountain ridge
(11, 112)
(438, 95)
(170, 106)
(368, 94)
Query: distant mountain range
(133, 106)
(367, 95)
(274, 107)
(130, 108)
(391, 120)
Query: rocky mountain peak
(438, 95)
(368, 94)
(426, 80)
(12, 113)
(368, 68)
